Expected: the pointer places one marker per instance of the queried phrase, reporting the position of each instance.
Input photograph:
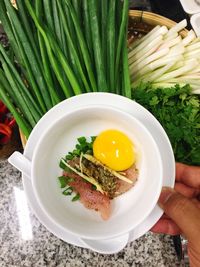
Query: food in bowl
(53, 143)
(99, 170)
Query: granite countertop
(25, 242)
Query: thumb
(182, 211)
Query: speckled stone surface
(45, 249)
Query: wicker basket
(140, 23)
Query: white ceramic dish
(190, 6)
(129, 209)
(123, 104)
(195, 22)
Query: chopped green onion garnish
(64, 167)
(61, 165)
(63, 181)
(69, 180)
(68, 191)
(76, 197)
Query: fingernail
(166, 193)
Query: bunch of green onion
(59, 49)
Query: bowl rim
(127, 105)
(154, 19)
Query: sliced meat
(89, 197)
(132, 174)
(71, 175)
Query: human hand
(182, 209)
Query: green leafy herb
(68, 191)
(179, 113)
(63, 166)
(64, 181)
(82, 140)
(76, 197)
(70, 180)
(83, 146)
(69, 156)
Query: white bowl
(129, 209)
(128, 106)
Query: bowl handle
(20, 162)
(107, 246)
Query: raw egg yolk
(114, 149)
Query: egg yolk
(114, 149)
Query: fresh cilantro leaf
(83, 146)
(178, 111)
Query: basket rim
(161, 20)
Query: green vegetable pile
(62, 48)
(179, 113)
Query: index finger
(188, 175)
